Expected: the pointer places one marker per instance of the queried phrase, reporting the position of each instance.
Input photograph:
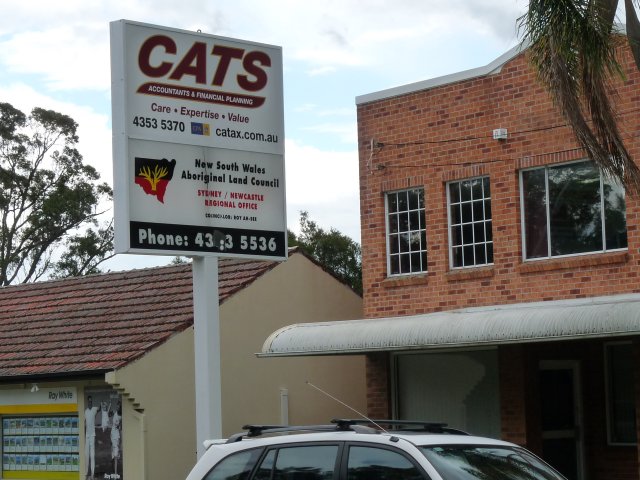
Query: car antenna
(342, 403)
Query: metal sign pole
(206, 333)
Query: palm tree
(572, 47)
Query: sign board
(198, 144)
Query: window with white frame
(571, 209)
(621, 405)
(470, 232)
(406, 232)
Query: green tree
(572, 46)
(335, 251)
(48, 200)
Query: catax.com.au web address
(254, 136)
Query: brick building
(500, 269)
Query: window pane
(392, 200)
(404, 242)
(489, 252)
(476, 188)
(414, 202)
(467, 253)
(456, 236)
(486, 188)
(465, 191)
(454, 192)
(414, 220)
(403, 222)
(466, 213)
(266, 467)
(309, 463)
(394, 264)
(415, 262)
(487, 209)
(393, 223)
(488, 231)
(456, 215)
(406, 231)
(576, 221)
(403, 204)
(478, 232)
(415, 242)
(621, 399)
(456, 253)
(367, 463)
(478, 211)
(575, 215)
(481, 257)
(465, 462)
(535, 213)
(394, 244)
(468, 225)
(615, 217)
(405, 263)
(235, 467)
(467, 234)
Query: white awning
(597, 317)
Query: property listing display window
(621, 412)
(406, 232)
(470, 232)
(571, 209)
(102, 430)
(47, 443)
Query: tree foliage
(48, 200)
(572, 47)
(335, 251)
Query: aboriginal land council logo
(154, 175)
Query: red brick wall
(470, 110)
(513, 386)
(415, 133)
(378, 386)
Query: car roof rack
(357, 425)
(258, 430)
(400, 425)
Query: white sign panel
(198, 144)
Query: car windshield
(474, 462)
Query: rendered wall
(158, 434)
(300, 293)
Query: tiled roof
(91, 324)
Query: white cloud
(67, 57)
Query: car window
(312, 462)
(366, 463)
(237, 466)
(471, 462)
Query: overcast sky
(55, 54)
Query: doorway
(561, 417)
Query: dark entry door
(561, 417)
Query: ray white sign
(198, 130)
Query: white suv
(349, 450)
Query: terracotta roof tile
(101, 322)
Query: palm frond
(572, 48)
